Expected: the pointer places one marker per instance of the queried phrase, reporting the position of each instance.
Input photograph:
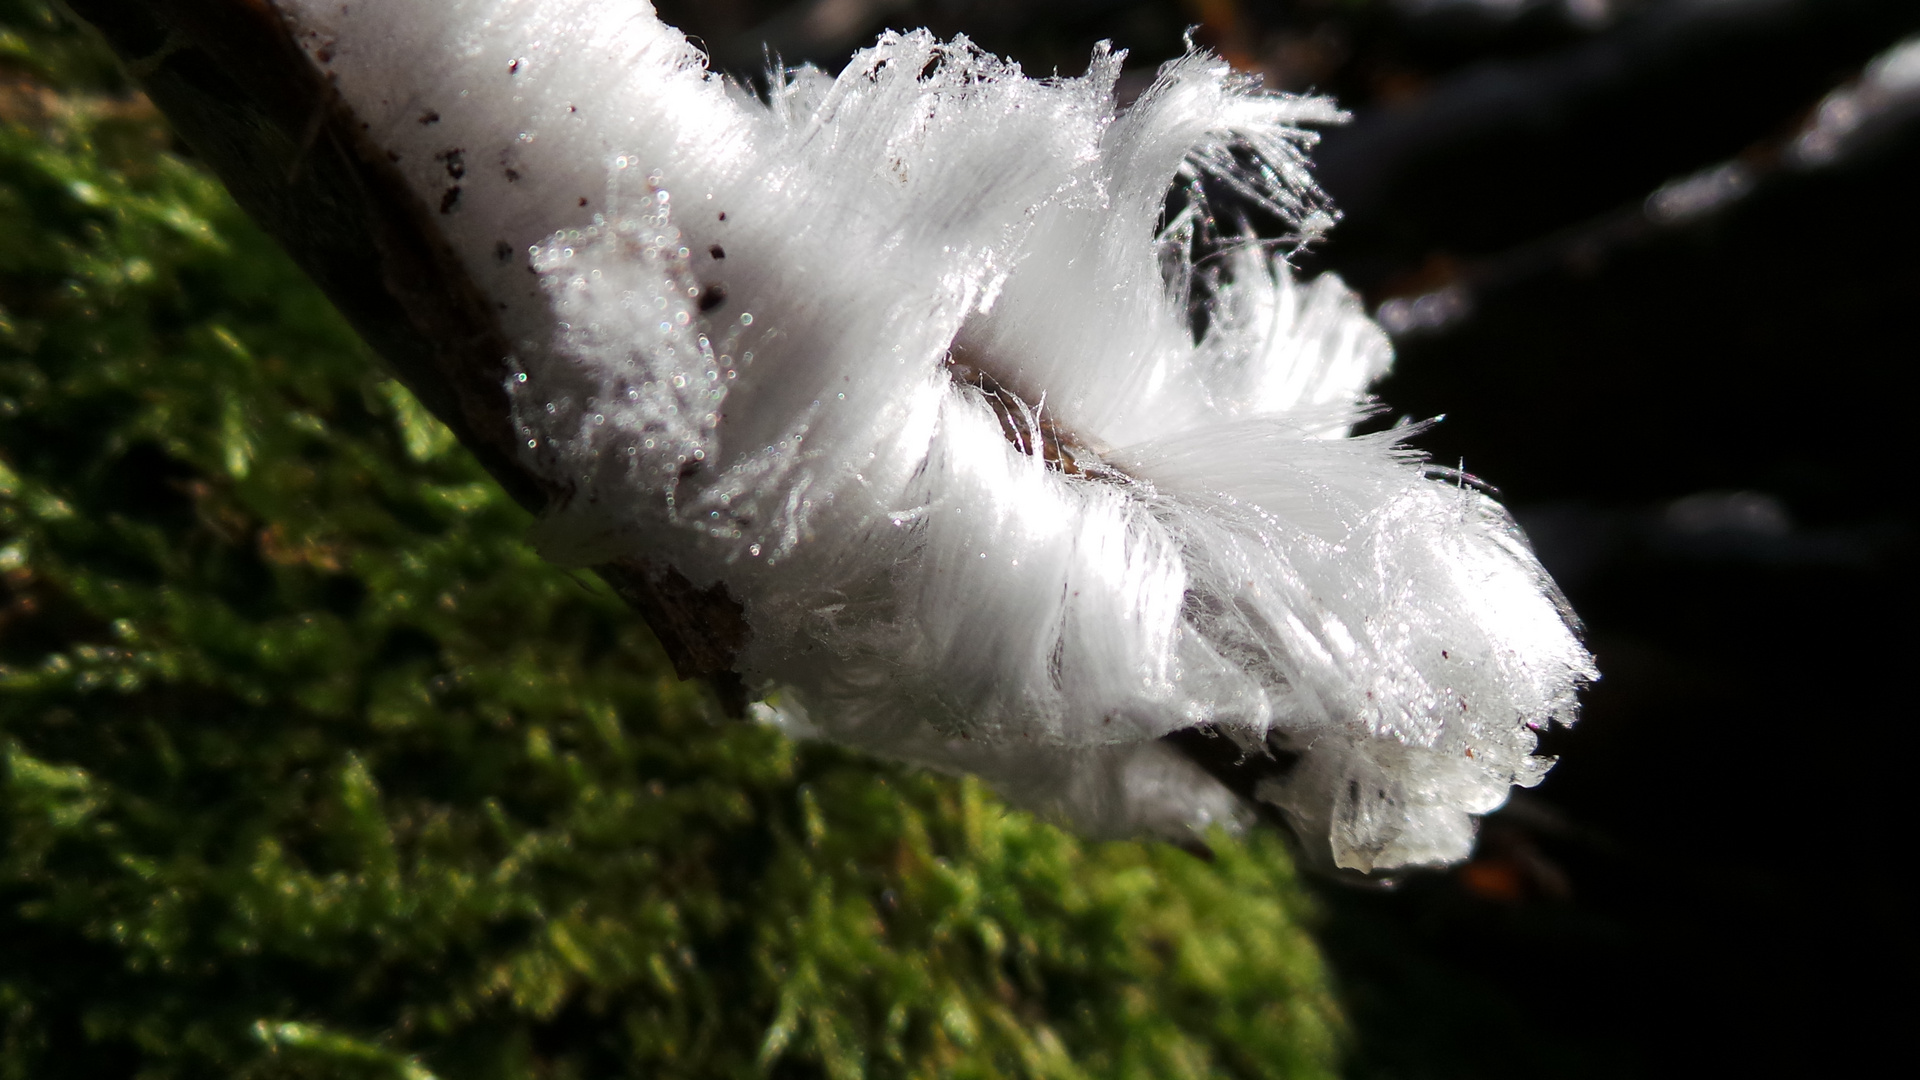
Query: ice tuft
(903, 357)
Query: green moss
(312, 769)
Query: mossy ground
(312, 768)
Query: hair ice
(903, 359)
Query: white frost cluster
(904, 359)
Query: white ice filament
(903, 358)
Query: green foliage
(312, 769)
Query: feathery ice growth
(905, 361)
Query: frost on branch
(904, 361)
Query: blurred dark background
(1654, 261)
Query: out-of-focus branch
(1880, 105)
(1505, 150)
